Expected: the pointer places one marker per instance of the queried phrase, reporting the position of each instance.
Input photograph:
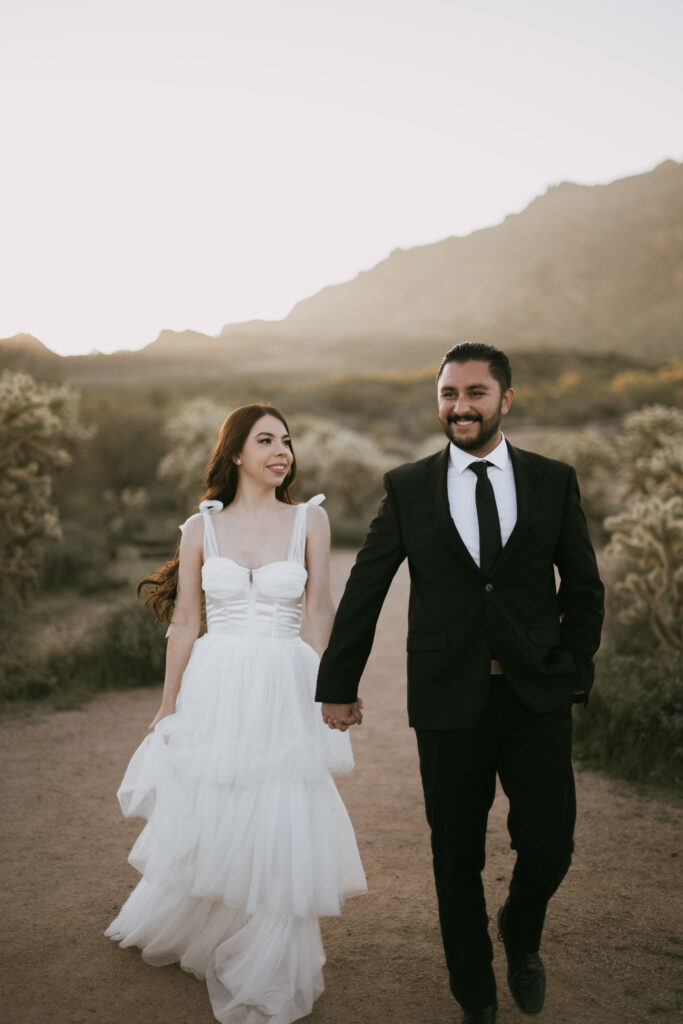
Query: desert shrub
(635, 387)
(646, 533)
(124, 453)
(651, 451)
(642, 456)
(191, 435)
(595, 459)
(403, 402)
(578, 389)
(84, 557)
(662, 471)
(575, 396)
(618, 636)
(39, 426)
(126, 516)
(22, 673)
(125, 649)
(633, 725)
(647, 540)
(347, 467)
(79, 559)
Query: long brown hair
(221, 484)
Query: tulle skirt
(247, 842)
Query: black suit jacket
(459, 618)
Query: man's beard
(487, 430)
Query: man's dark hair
(466, 351)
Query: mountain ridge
(559, 273)
(582, 267)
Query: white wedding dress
(247, 841)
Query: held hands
(341, 716)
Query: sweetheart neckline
(279, 561)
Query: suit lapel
(438, 471)
(527, 479)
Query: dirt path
(613, 944)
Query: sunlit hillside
(581, 269)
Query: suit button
(488, 588)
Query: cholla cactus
(38, 425)
(651, 448)
(648, 537)
(191, 435)
(662, 472)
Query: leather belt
(496, 670)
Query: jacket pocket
(427, 641)
(545, 636)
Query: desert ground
(613, 944)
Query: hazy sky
(187, 163)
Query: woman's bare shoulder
(317, 522)
(193, 531)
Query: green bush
(633, 725)
(123, 650)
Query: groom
(496, 656)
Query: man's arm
(581, 596)
(353, 632)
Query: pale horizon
(183, 166)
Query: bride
(247, 842)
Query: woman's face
(267, 454)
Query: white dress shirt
(462, 482)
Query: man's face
(471, 404)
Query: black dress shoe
(526, 973)
(487, 1015)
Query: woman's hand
(342, 716)
(163, 712)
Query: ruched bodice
(265, 602)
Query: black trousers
(531, 754)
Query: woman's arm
(187, 616)
(319, 604)
(320, 607)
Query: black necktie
(490, 542)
